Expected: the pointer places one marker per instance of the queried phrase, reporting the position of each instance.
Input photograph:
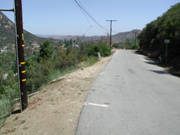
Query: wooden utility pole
(135, 39)
(20, 53)
(19, 41)
(110, 31)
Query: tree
(9, 47)
(128, 42)
(68, 43)
(116, 45)
(61, 42)
(1, 43)
(46, 50)
(151, 39)
(6, 63)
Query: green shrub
(102, 48)
(82, 58)
(135, 46)
(92, 59)
(106, 51)
(7, 103)
(46, 50)
(116, 45)
(90, 51)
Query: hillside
(7, 33)
(164, 27)
(122, 36)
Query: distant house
(75, 46)
(1, 51)
(34, 46)
(63, 46)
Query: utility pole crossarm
(111, 20)
(111, 30)
(7, 10)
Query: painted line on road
(101, 73)
(93, 104)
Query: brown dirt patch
(56, 108)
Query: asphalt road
(132, 96)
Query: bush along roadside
(8, 85)
(151, 39)
(102, 48)
(42, 68)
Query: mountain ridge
(7, 35)
(122, 36)
(117, 38)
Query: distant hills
(122, 36)
(7, 35)
(74, 37)
(117, 38)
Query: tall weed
(6, 104)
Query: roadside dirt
(56, 108)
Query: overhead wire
(83, 8)
(86, 19)
(115, 32)
(83, 13)
(88, 29)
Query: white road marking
(93, 104)
(101, 73)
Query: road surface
(132, 96)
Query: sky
(64, 17)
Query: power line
(83, 8)
(88, 29)
(83, 13)
(85, 17)
(115, 32)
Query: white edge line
(101, 73)
(93, 104)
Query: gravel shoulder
(56, 108)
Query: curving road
(132, 96)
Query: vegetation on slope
(7, 34)
(123, 36)
(164, 27)
(42, 67)
(128, 44)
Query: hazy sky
(64, 17)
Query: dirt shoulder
(56, 108)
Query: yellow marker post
(22, 63)
(23, 71)
(22, 36)
(23, 80)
